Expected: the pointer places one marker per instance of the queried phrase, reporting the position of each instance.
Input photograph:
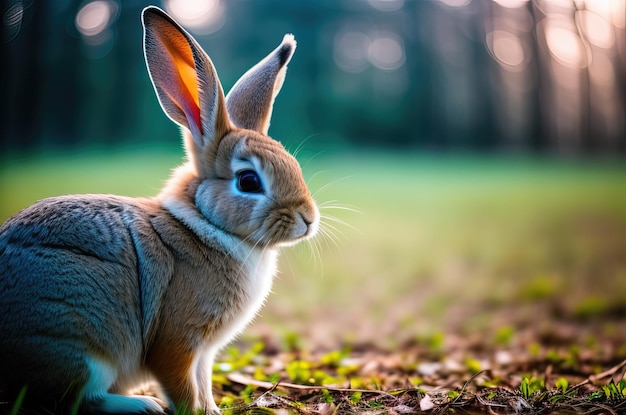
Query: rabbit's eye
(248, 181)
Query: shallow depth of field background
(470, 152)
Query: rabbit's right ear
(250, 100)
(184, 78)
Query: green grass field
(426, 244)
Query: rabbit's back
(98, 282)
(70, 287)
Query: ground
(524, 372)
(492, 284)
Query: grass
(447, 259)
(433, 236)
(437, 237)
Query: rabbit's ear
(250, 100)
(184, 78)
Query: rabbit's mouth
(305, 227)
(284, 227)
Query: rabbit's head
(237, 177)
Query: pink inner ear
(182, 88)
(192, 112)
(188, 86)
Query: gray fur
(100, 292)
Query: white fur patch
(97, 398)
(211, 235)
(259, 268)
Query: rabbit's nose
(310, 221)
(300, 226)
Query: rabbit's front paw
(116, 404)
(154, 405)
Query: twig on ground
(594, 378)
(244, 380)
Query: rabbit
(100, 291)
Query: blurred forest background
(482, 142)
(540, 75)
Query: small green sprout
(416, 381)
(326, 396)
(227, 402)
(531, 385)
(615, 391)
(562, 384)
(299, 371)
(453, 394)
(355, 397)
(247, 393)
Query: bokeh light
(512, 4)
(350, 51)
(455, 72)
(549, 6)
(618, 12)
(94, 18)
(201, 17)
(455, 3)
(564, 44)
(506, 49)
(355, 51)
(596, 29)
(386, 5)
(386, 52)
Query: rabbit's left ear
(184, 78)
(250, 100)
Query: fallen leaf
(426, 403)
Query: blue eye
(248, 181)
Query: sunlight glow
(202, 17)
(618, 11)
(512, 4)
(602, 7)
(610, 10)
(565, 45)
(506, 49)
(549, 6)
(596, 29)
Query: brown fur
(101, 291)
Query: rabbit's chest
(257, 273)
(259, 268)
